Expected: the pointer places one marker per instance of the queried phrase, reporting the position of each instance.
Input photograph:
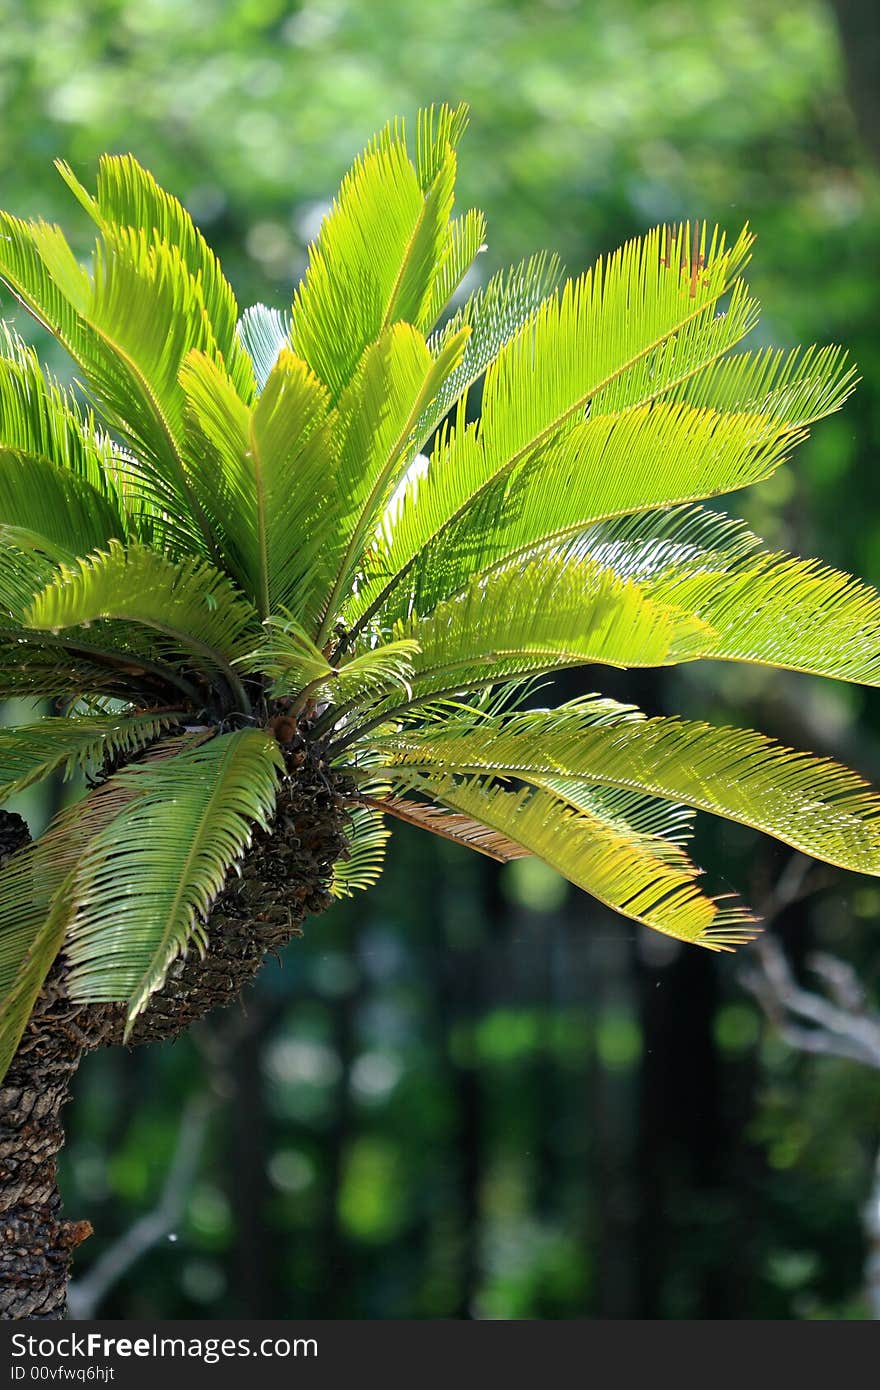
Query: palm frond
(24, 571)
(460, 829)
(811, 803)
(542, 617)
(691, 350)
(377, 415)
(36, 908)
(263, 333)
(361, 866)
(143, 884)
(128, 326)
(493, 314)
(375, 672)
(609, 465)
(189, 601)
(129, 197)
(52, 510)
(264, 477)
(465, 241)
(798, 387)
(618, 869)
(378, 252)
(31, 752)
(287, 655)
(570, 352)
(40, 418)
(766, 608)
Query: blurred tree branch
(88, 1293)
(833, 1021)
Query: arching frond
(767, 608)
(811, 803)
(465, 240)
(493, 314)
(367, 836)
(287, 654)
(189, 601)
(616, 868)
(31, 752)
(798, 387)
(541, 618)
(128, 196)
(128, 326)
(265, 477)
(607, 466)
(144, 883)
(693, 348)
(36, 908)
(40, 418)
(24, 571)
(52, 510)
(461, 830)
(576, 346)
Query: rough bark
(283, 878)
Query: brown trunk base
(283, 879)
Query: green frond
(692, 349)
(797, 387)
(377, 415)
(189, 601)
(42, 419)
(24, 571)
(375, 672)
(33, 918)
(465, 241)
(367, 836)
(52, 510)
(438, 129)
(811, 803)
(288, 655)
(766, 608)
(293, 459)
(378, 252)
(586, 338)
(128, 326)
(493, 314)
(66, 745)
(143, 884)
(540, 618)
(618, 869)
(264, 476)
(668, 825)
(128, 196)
(607, 466)
(570, 352)
(543, 617)
(36, 908)
(263, 333)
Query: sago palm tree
(269, 621)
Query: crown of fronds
(298, 512)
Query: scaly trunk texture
(283, 878)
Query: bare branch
(86, 1295)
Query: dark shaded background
(474, 1093)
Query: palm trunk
(284, 877)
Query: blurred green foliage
(474, 1093)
